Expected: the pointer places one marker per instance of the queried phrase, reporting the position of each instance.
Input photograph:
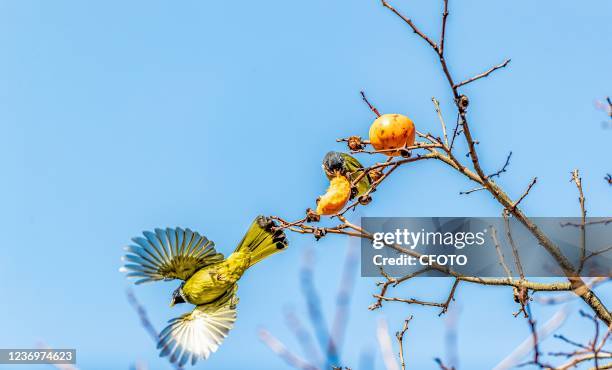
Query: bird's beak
(176, 298)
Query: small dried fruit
(355, 143)
(464, 101)
(336, 196)
(365, 200)
(312, 216)
(392, 131)
(375, 174)
(319, 233)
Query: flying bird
(346, 165)
(209, 282)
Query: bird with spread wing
(209, 282)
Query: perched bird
(209, 282)
(346, 165)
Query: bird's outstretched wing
(168, 254)
(198, 334)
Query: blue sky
(118, 117)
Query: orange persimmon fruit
(335, 198)
(392, 131)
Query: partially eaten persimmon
(392, 131)
(335, 198)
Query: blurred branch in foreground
(386, 347)
(451, 335)
(527, 346)
(144, 319)
(327, 354)
(139, 366)
(146, 323)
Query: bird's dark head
(333, 163)
(177, 296)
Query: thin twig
(531, 184)
(456, 133)
(395, 282)
(400, 340)
(484, 74)
(372, 108)
(437, 105)
(500, 254)
(515, 254)
(443, 33)
(409, 301)
(411, 24)
(444, 305)
(451, 297)
(597, 253)
(578, 181)
(605, 221)
(503, 169)
(472, 190)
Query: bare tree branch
(503, 169)
(483, 75)
(443, 33)
(411, 24)
(531, 184)
(372, 108)
(437, 106)
(500, 254)
(578, 181)
(400, 340)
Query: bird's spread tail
(262, 240)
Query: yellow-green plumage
(210, 282)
